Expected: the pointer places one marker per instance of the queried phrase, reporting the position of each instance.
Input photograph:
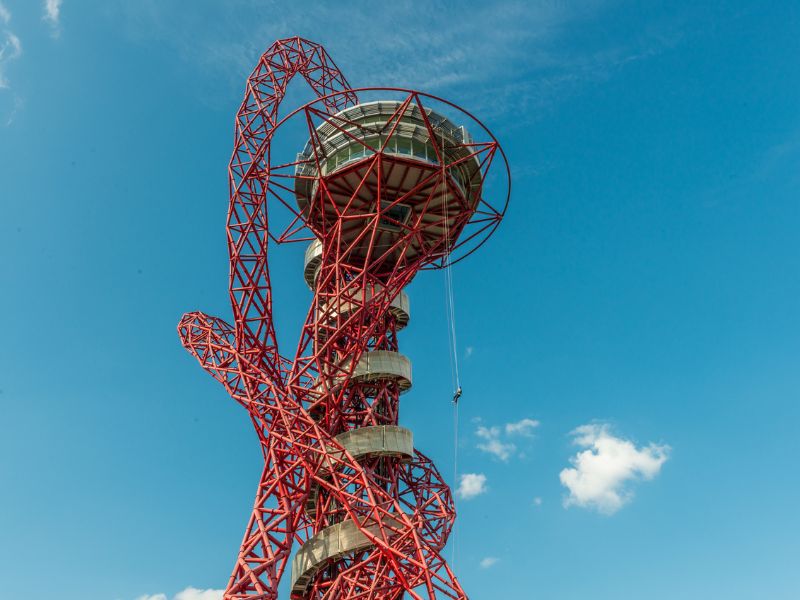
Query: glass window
(394, 216)
(419, 149)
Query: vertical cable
(451, 333)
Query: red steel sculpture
(382, 189)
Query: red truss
(369, 513)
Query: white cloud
(52, 10)
(492, 440)
(10, 46)
(472, 485)
(537, 501)
(492, 444)
(601, 474)
(52, 14)
(524, 427)
(190, 593)
(10, 49)
(489, 561)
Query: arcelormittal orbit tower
(389, 182)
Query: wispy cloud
(471, 485)
(10, 45)
(429, 46)
(10, 51)
(52, 15)
(494, 440)
(524, 427)
(489, 561)
(511, 56)
(601, 474)
(190, 593)
(492, 444)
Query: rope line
(450, 297)
(455, 376)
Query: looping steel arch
(248, 176)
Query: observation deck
(406, 173)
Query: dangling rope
(450, 307)
(448, 279)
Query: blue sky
(629, 339)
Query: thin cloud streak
(52, 15)
(524, 427)
(507, 57)
(10, 51)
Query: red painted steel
(299, 405)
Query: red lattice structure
(382, 190)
